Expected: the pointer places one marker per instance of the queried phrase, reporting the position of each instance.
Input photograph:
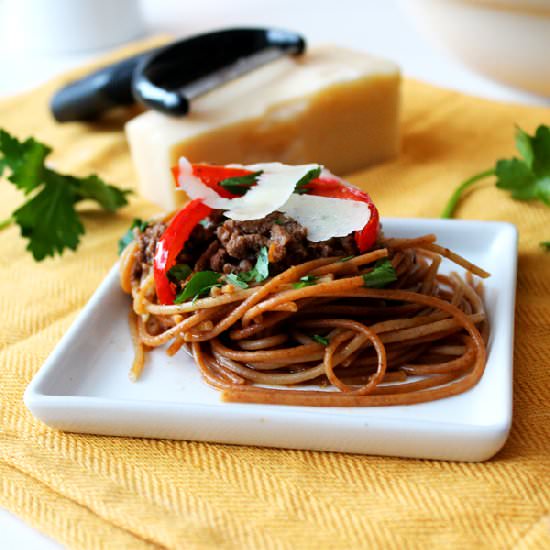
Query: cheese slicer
(169, 78)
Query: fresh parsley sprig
(49, 219)
(527, 177)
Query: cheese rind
(331, 106)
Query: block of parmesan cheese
(331, 106)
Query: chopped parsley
(545, 245)
(199, 285)
(306, 280)
(236, 280)
(202, 282)
(259, 273)
(301, 186)
(239, 185)
(320, 339)
(381, 275)
(178, 272)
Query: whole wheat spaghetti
(336, 342)
(304, 304)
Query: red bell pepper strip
(170, 245)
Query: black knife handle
(166, 80)
(89, 97)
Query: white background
(378, 26)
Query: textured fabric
(102, 492)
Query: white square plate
(84, 385)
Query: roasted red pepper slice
(171, 243)
(177, 233)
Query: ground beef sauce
(229, 246)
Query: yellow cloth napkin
(103, 492)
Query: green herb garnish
(381, 275)
(301, 186)
(235, 280)
(527, 178)
(347, 258)
(239, 185)
(178, 272)
(199, 285)
(306, 280)
(545, 245)
(320, 339)
(258, 273)
(128, 237)
(49, 219)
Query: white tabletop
(377, 26)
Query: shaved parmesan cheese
(273, 188)
(327, 217)
(323, 217)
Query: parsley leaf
(49, 219)
(258, 273)
(239, 185)
(301, 186)
(545, 245)
(109, 197)
(199, 285)
(236, 280)
(527, 178)
(24, 159)
(306, 280)
(381, 275)
(128, 237)
(178, 272)
(320, 339)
